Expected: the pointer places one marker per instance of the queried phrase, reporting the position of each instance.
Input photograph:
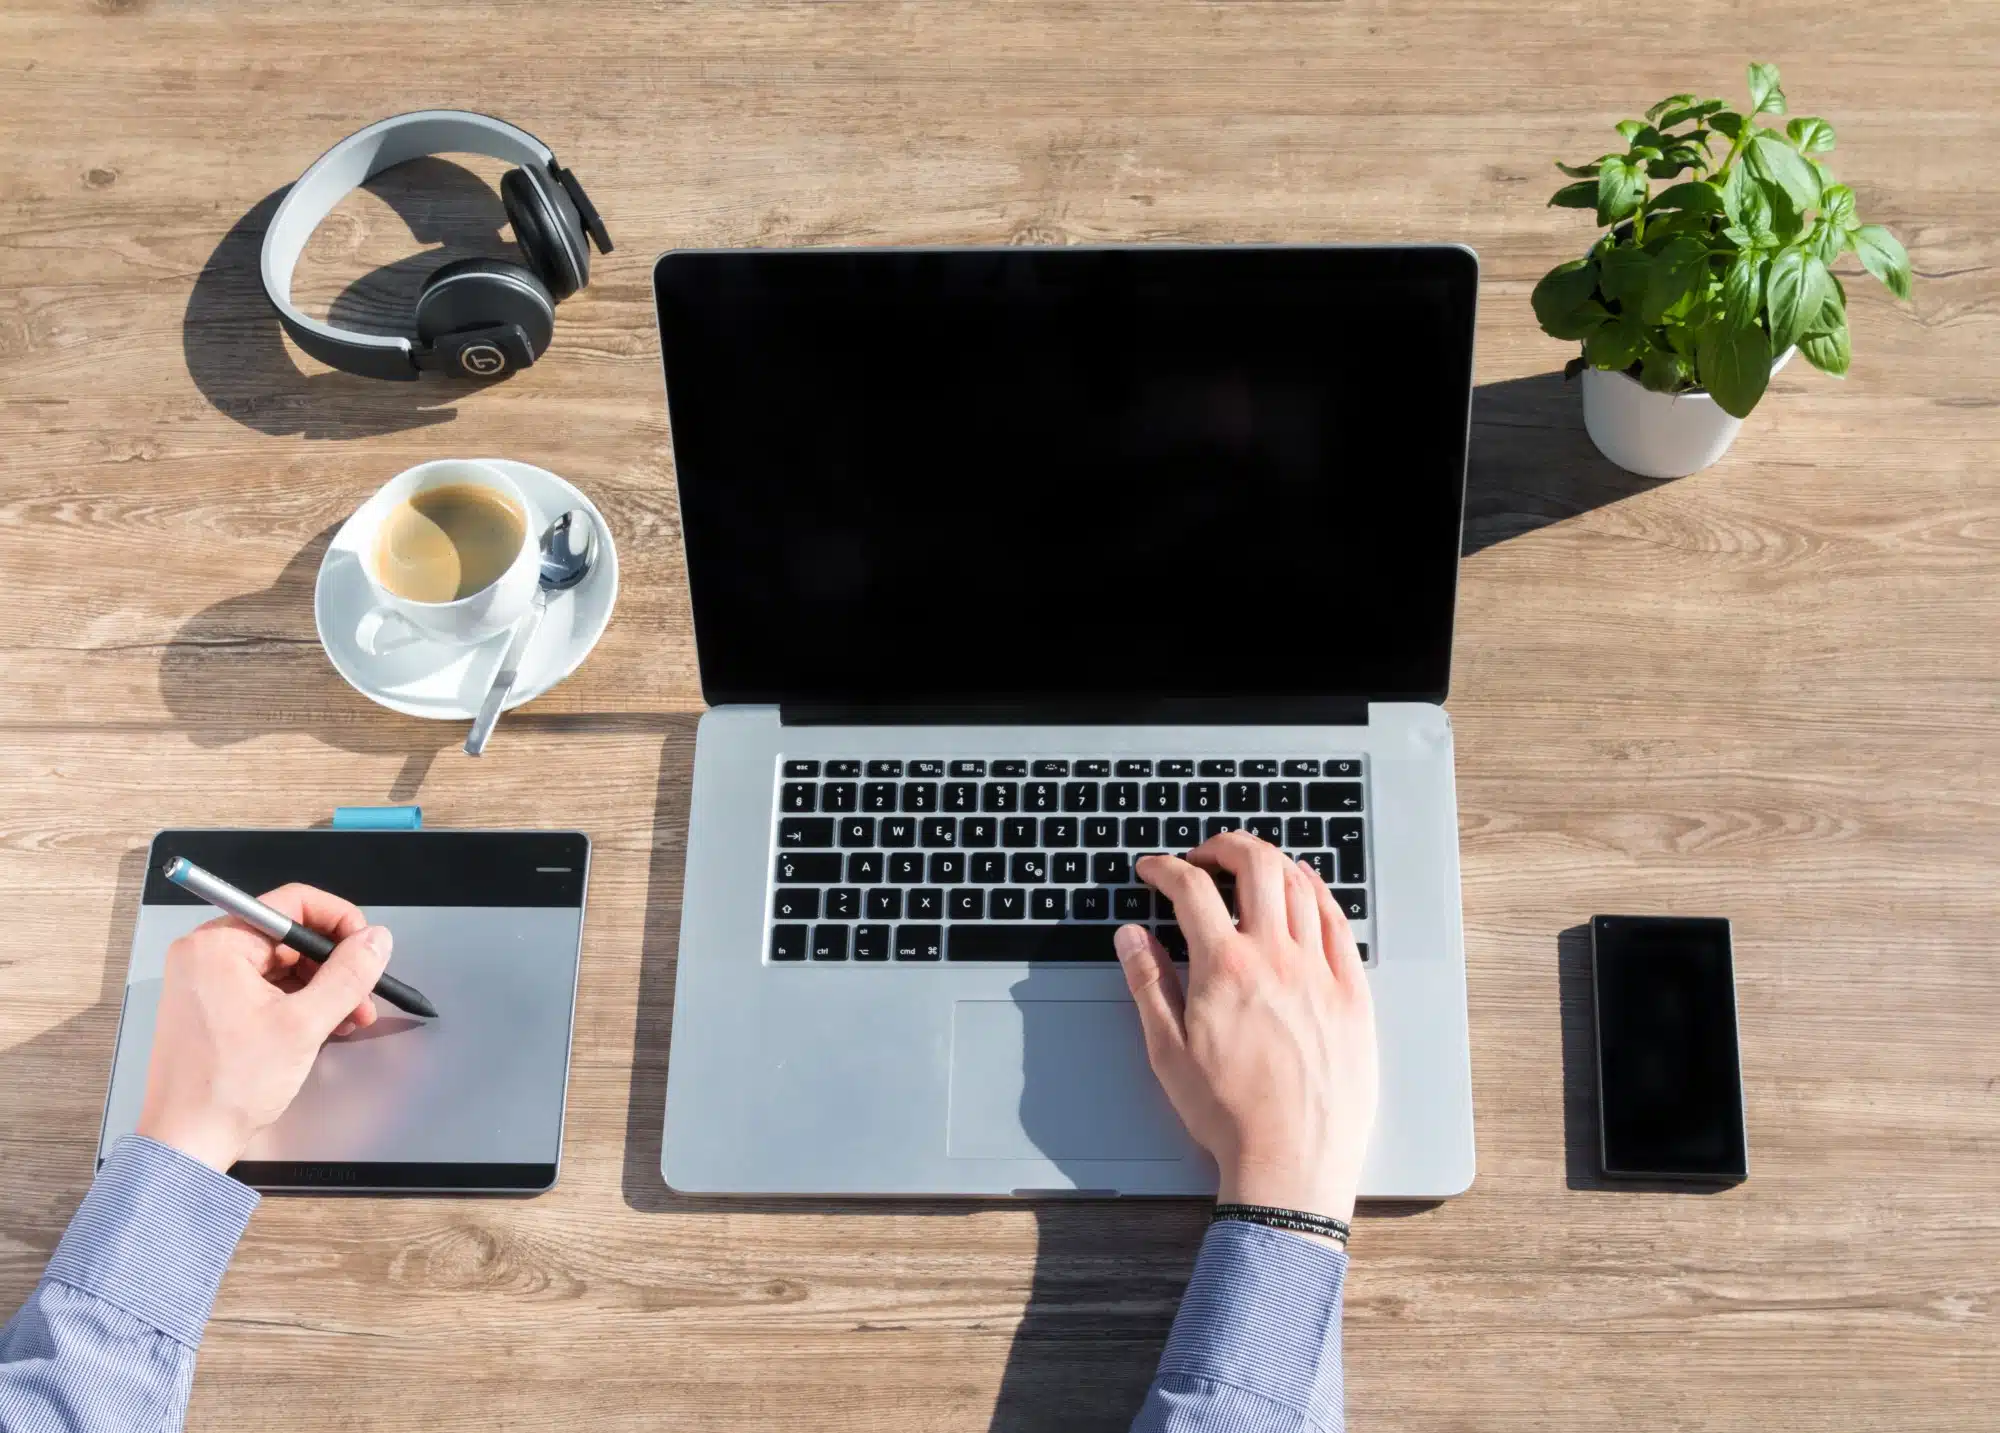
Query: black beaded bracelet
(1296, 1220)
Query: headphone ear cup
(468, 294)
(548, 231)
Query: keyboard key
(927, 768)
(1180, 833)
(1093, 768)
(1361, 948)
(1100, 831)
(1216, 825)
(926, 904)
(989, 868)
(1163, 906)
(1048, 903)
(1242, 796)
(920, 796)
(906, 868)
(848, 769)
(899, 830)
(1266, 828)
(1353, 864)
(1040, 796)
(961, 796)
(843, 903)
(1174, 939)
(803, 831)
(802, 768)
(1321, 862)
(978, 831)
(1354, 903)
(939, 831)
(1090, 904)
(1135, 768)
(1008, 904)
(1079, 796)
(1030, 868)
(1121, 796)
(1177, 768)
(1010, 768)
(1260, 767)
(947, 867)
(799, 796)
(885, 903)
(1341, 832)
(1218, 768)
(921, 942)
(1111, 868)
(864, 868)
(1142, 831)
(1302, 768)
(858, 831)
(1201, 796)
(1017, 831)
(1349, 769)
(871, 942)
(1070, 867)
(796, 903)
(839, 796)
(788, 942)
(968, 768)
(1333, 796)
(1051, 768)
(1000, 796)
(1163, 796)
(885, 768)
(829, 942)
(1304, 832)
(1281, 796)
(878, 796)
(1059, 831)
(1032, 943)
(968, 903)
(807, 868)
(1132, 903)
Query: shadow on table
(1532, 464)
(237, 354)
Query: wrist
(1281, 1187)
(206, 1140)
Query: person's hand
(1269, 1054)
(241, 1019)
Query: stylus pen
(283, 929)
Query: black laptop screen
(963, 476)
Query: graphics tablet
(488, 924)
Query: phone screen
(1669, 1084)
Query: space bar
(1031, 942)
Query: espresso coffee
(448, 542)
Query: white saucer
(389, 662)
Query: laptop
(1007, 567)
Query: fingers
(1259, 868)
(343, 983)
(1197, 906)
(316, 909)
(1342, 954)
(1302, 910)
(1156, 990)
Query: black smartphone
(1669, 1080)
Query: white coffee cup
(477, 616)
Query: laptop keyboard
(1031, 860)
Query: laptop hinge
(1161, 711)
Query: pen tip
(173, 865)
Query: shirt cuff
(154, 1235)
(1262, 1313)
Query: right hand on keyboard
(1268, 1055)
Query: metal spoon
(569, 547)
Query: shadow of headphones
(479, 318)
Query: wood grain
(1768, 691)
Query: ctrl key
(830, 943)
(788, 942)
(919, 942)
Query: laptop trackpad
(1055, 1079)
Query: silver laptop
(1009, 566)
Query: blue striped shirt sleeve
(1256, 1345)
(108, 1338)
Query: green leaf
(1832, 241)
(1742, 291)
(1584, 171)
(1828, 352)
(1732, 186)
(1617, 345)
(1629, 127)
(1665, 371)
(1836, 206)
(1727, 123)
(1787, 223)
(1580, 195)
(1670, 102)
(1795, 290)
(1682, 115)
(1832, 313)
(1675, 272)
(1623, 274)
(1811, 134)
(1757, 220)
(1734, 365)
(1565, 300)
(1773, 159)
(1620, 187)
(1765, 96)
(1884, 257)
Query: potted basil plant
(1697, 293)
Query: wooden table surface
(1768, 691)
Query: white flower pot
(1657, 435)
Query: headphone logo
(482, 360)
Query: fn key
(788, 942)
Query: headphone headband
(345, 168)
